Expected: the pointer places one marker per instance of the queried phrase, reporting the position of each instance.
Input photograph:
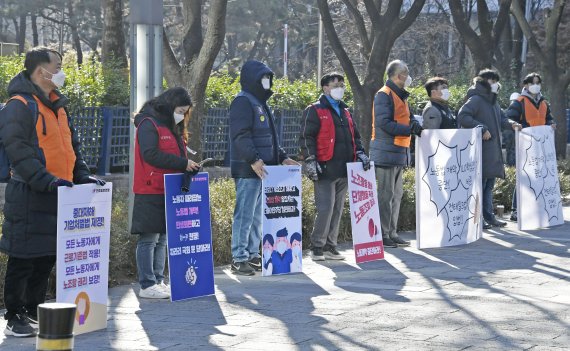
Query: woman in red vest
(159, 149)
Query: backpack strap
(29, 101)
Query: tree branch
(172, 71)
(193, 41)
(409, 18)
(360, 25)
(374, 14)
(516, 10)
(551, 27)
(502, 20)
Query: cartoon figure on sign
(191, 275)
(297, 251)
(267, 252)
(83, 306)
(282, 256)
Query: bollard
(56, 322)
(500, 211)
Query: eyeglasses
(333, 86)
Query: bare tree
(553, 63)
(199, 50)
(376, 44)
(113, 38)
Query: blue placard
(189, 231)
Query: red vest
(149, 179)
(327, 137)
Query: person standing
(392, 127)
(44, 153)
(254, 144)
(436, 113)
(482, 110)
(329, 140)
(530, 109)
(159, 150)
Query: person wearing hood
(43, 150)
(529, 109)
(436, 113)
(329, 140)
(393, 125)
(159, 149)
(253, 144)
(482, 110)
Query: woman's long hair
(166, 103)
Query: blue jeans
(246, 228)
(488, 185)
(151, 257)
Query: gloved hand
(312, 168)
(361, 156)
(59, 182)
(91, 179)
(416, 128)
(187, 179)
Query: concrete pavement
(508, 291)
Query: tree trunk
(363, 101)
(557, 93)
(113, 37)
(35, 31)
(22, 34)
(75, 33)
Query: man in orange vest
(43, 151)
(392, 127)
(530, 109)
(329, 139)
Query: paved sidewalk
(508, 291)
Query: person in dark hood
(529, 109)
(43, 151)
(159, 149)
(329, 139)
(482, 110)
(254, 144)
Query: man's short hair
(488, 73)
(295, 236)
(329, 77)
(529, 79)
(434, 83)
(37, 56)
(268, 238)
(396, 67)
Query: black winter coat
(30, 211)
(148, 209)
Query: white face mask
(337, 93)
(266, 255)
(408, 81)
(495, 88)
(58, 79)
(445, 94)
(297, 251)
(534, 89)
(178, 117)
(266, 83)
(281, 247)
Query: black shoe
(255, 263)
(19, 326)
(514, 216)
(401, 242)
(496, 223)
(317, 254)
(331, 253)
(487, 225)
(242, 268)
(32, 319)
(389, 242)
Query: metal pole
(285, 51)
(146, 21)
(320, 53)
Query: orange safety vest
(534, 116)
(401, 116)
(54, 138)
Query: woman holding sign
(159, 149)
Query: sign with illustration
(364, 214)
(282, 242)
(189, 232)
(448, 187)
(538, 187)
(83, 238)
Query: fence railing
(104, 135)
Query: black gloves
(416, 128)
(361, 156)
(312, 168)
(188, 179)
(91, 179)
(59, 182)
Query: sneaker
(514, 216)
(496, 223)
(164, 287)
(242, 268)
(486, 225)
(331, 253)
(317, 254)
(19, 326)
(388, 242)
(255, 263)
(32, 319)
(154, 292)
(400, 242)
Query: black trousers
(26, 283)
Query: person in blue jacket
(282, 256)
(254, 144)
